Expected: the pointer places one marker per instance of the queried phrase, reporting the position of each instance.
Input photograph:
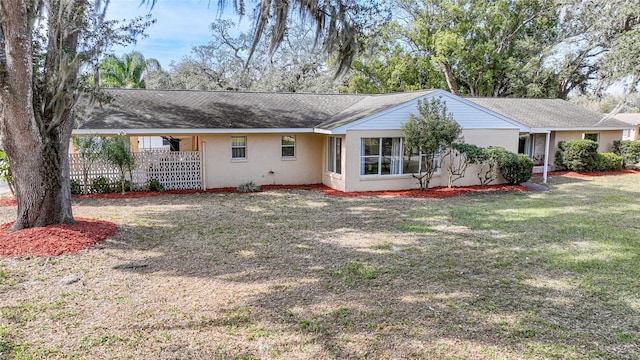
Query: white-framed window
(381, 156)
(288, 146)
(238, 147)
(591, 136)
(334, 154)
(388, 156)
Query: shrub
(515, 168)
(116, 186)
(247, 187)
(559, 161)
(629, 150)
(155, 185)
(101, 185)
(579, 155)
(75, 187)
(608, 162)
(526, 168)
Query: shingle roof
(629, 118)
(548, 113)
(177, 109)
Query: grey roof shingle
(548, 113)
(629, 118)
(177, 109)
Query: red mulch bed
(54, 240)
(434, 193)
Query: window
(590, 136)
(288, 143)
(388, 156)
(334, 154)
(381, 156)
(238, 147)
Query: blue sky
(180, 25)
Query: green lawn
(301, 275)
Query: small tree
(432, 130)
(89, 148)
(462, 155)
(489, 164)
(117, 151)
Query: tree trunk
(451, 82)
(36, 120)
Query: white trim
(547, 140)
(323, 131)
(203, 162)
(158, 131)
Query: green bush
(578, 155)
(116, 186)
(75, 187)
(100, 185)
(516, 168)
(629, 150)
(559, 161)
(155, 185)
(608, 162)
(247, 187)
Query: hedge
(608, 162)
(577, 155)
(629, 150)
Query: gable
(466, 113)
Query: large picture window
(381, 156)
(388, 156)
(334, 154)
(238, 147)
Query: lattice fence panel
(176, 170)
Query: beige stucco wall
(264, 164)
(353, 181)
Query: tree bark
(451, 82)
(36, 118)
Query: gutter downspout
(546, 157)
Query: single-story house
(348, 142)
(633, 120)
(553, 120)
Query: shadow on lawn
(341, 275)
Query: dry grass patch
(297, 274)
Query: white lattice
(176, 170)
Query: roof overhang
(150, 132)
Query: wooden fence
(176, 170)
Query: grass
(301, 275)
